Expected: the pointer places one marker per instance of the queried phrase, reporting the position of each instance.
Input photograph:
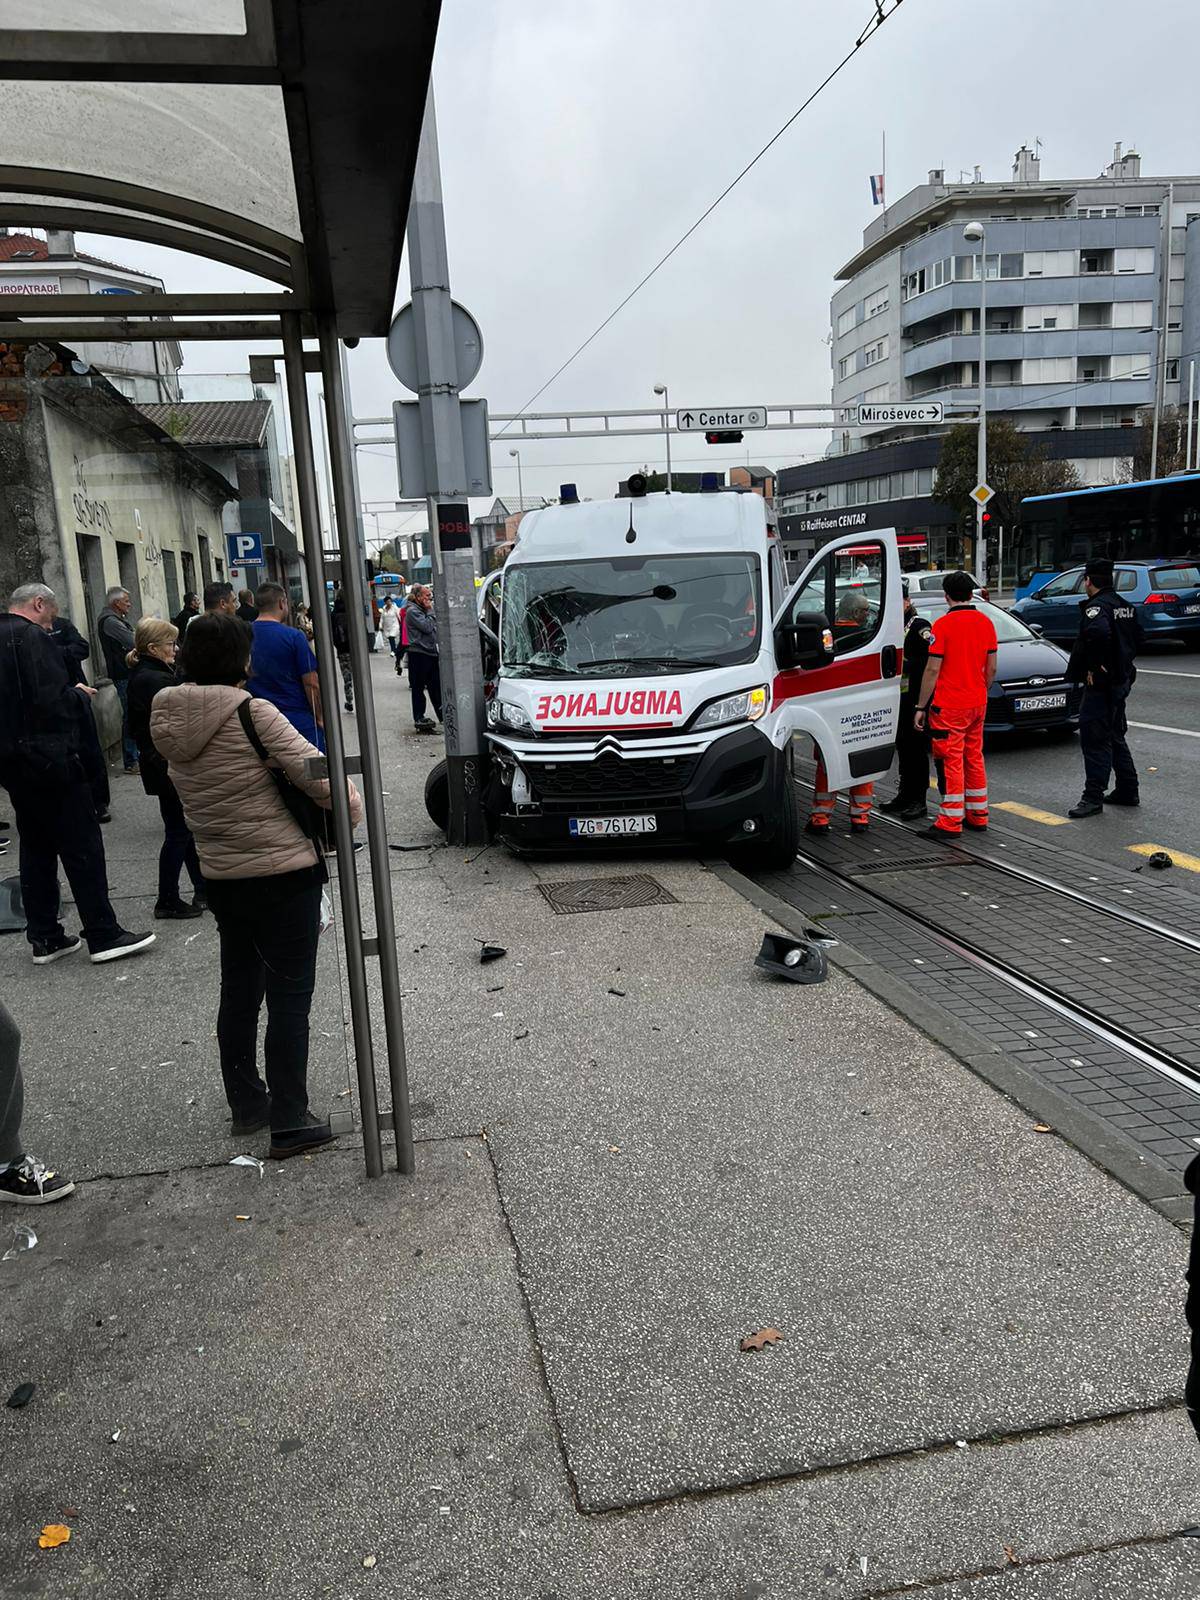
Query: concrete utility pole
(446, 475)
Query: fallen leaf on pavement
(1042, 1127)
(760, 1340)
(1013, 1559)
(54, 1534)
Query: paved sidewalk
(519, 1374)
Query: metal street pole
(661, 388)
(1191, 402)
(383, 947)
(977, 231)
(520, 483)
(445, 475)
(352, 935)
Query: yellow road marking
(1031, 812)
(1191, 863)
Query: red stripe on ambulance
(795, 682)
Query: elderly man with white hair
(116, 639)
(40, 766)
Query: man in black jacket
(40, 767)
(424, 671)
(1102, 660)
(912, 747)
(75, 651)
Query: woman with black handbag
(257, 832)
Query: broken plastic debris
(54, 1534)
(620, 993)
(1160, 860)
(247, 1161)
(116, 1436)
(369, 1561)
(517, 1037)
(960, 1444)
(862, 1562)
(491, 952)
(443, 1511)
(21, 1396)
(24, 1238)
(241, 1218)
(1042, 1127)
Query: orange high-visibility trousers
(957, 741)
(825, 799)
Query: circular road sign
(402, 346)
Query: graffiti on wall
(91, 515)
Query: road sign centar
(982, 493)
(700, 419)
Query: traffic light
(986, 518)
(724, 436)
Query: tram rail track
(1087, 1017)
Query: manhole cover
(607, 894)
(946, 858)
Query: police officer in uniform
(1102, 660)
(912, 747)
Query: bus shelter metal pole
(310, 517)
(353, 579)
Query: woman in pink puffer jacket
(262, 874)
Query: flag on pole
(877, 189)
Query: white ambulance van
(648, 664)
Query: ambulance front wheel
(779, 851)
(437, 796)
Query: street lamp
(661, 388)
(520, 485)
(976, 233)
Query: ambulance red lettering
(656, 702)
(620, 703)
(574, 705)
(589, 706)
(543, 706)
(674, 704)
(637, 703)
(606, 708)
(556, 705)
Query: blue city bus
(1157, 520)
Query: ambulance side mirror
(805, 644)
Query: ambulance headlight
(503, 714)
(747, 706)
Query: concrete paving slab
(350, 1374)
(1167, 1571)
(120, 1061)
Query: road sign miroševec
(982, 493)
(700, 419)
(915, 412)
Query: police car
(648, 663)
(1030, 690)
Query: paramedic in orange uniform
(953, 704)
(853, 615)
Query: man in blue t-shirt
(283, 668)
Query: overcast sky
(580, 138)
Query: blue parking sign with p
(245, 549)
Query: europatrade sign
(30, 286)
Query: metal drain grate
(607, 894)
(946, 858)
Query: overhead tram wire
(881, 14)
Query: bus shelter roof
(278, 136)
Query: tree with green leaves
(1018, 465)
